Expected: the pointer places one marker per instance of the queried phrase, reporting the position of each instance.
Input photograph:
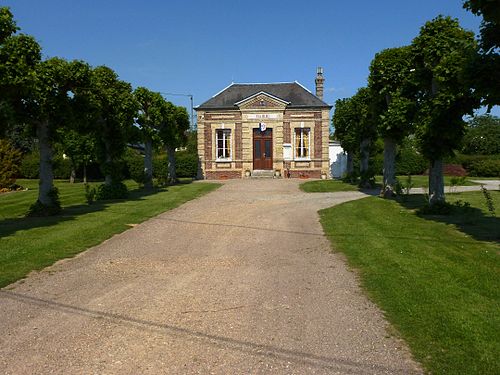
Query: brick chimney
(320, 80)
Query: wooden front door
(263, 149)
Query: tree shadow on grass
(471, 220)
(12, 225)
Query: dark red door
(263, 149)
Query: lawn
(324, 186)
(28, 244)
(437, 278)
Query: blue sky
(199, 47)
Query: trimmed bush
(38, 209)
(10, 158)
(136, 169)
(454, 170)
(30, 166)
(61, 167)
(410, 162)
(160, 167)
(467, 160)
(485, 168)
(186, 164)
(116, 190)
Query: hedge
(485, 168)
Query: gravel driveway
(240, 281)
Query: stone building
(278, 129)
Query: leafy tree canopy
(391, 90)
(114, 110)
(441, 54)
(151, 111)
(485, 69)
(482, 136)
(353, 120)
(19, 56)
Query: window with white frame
(302, 143)
(223, 142)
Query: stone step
(257, 173)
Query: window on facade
(302, 142)
(223, 142)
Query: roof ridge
(262, 83)
(224, 89)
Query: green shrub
(90, 194)
(38, 209)
(116, 190)
(160, 167)
(186, 164)
(61, 167)
(10, 158)
(30, 165)
(485, 168)
(409, 161)
(136, 169)
(377, 163)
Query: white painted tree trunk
(436, 182)
(148, 163)
(108, 179)
(389, 168)
(46, 171)
(84, 173)
(172, 177)
(350, 163)
(364, 150)
(72, 175)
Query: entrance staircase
(262, 173)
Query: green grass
(423, 181)
(324, 186)
(28, 244)
(437, 278)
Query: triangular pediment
(262, 100)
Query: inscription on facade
(260, 116)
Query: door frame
(257, 134)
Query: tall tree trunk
(436, 182)
(72, 174)
(172, 177)
(46, 172)
(108, 179)
(85, 173)
(389, 168)
(350, 163)
(364, 150)
(148, 163)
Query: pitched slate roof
(292, 92)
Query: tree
(10, 161)
(354, 128)
(441, 54)
(50, 107)
(482, 136)
(112, 112)
(173, 132)
(485, 68)
(79, 148)
(151, 115)
(19, 57)
(345, 123)
(367, 132)
(392, 105)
